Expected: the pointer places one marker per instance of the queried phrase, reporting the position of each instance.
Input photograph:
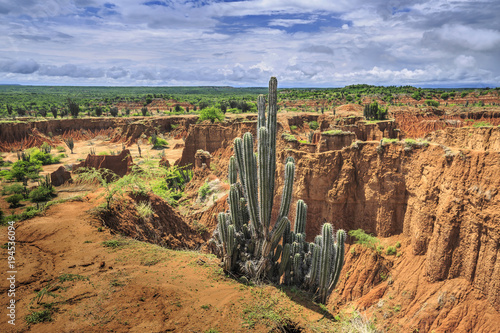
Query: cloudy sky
(310, 43)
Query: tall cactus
(247, 241)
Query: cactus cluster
(246, 240)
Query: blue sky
(314, 43)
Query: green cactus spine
(339, 260)
(244, 238)
(300, 217)
(250, 176)
(232, 171)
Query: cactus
(246, 239)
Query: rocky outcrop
(211, 137)
(448, 210)
(119, 164)
(479, 138)
(335, 141)
(201, 158)
(60, 176)
(165, 226)
(128, 130)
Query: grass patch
(289, 137)
(115, 243)
(362, 238)
(481, 124)
(39, 317)
(336, 132)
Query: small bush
(144, 210)
(431, 102)
(212, 113)
(481, 124)
(313, 125)
(13, 189)
(204, 191)
(293, 128)
(288, 137)
(391, 251)
(363, 238)
(14, 200)
(157, 142)
(41, 194)
(39, 317)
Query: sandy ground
(91, 281)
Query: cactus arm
(238, 152)
(234, 200)
(250, 176)
(286, 197)
(271, 125)
(325, 262)
(300, 217)
(265, 209)
(339, 262)
(232, 171)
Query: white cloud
(318, 42)
(289, 22)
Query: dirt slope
(92, 281)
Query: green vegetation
(42, 101)
(431, 102)
(157, 142)
(288, 137)
(39, 317)
(212, 113)
(313, 125)
(391, 250)
(373, 111)
(364, 239)
(204, 190)
(144, 209)
(244, 239)
(481, 124)
(14, 200)
(336, 132)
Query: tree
(73, 108)
(53, 110)
(98, 111)
(114, 111)
(212, 114)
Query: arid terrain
(424, 183)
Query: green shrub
(313, 125)
(364, 239)
(293, 127)
(14, 200)
(289, 137)
(25, 169)
(374, 111)
(45, 158)
(41, 194)
(212, 113)
(157, 142)
(431, 102)
(481, 124)
(391, 251)
(335, 132)
(13, 189)
(39, 317)
(204, 190)
(144, 209)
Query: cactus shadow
(304, 299)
